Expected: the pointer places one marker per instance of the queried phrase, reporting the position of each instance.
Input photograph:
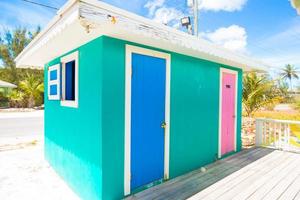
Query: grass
(278, 115)
(294, 143)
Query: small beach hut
(130, 103)
(6, 86)
(5, 89)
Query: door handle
(163, 125)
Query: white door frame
(222, 70)
(128, 70)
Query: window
(70, 81)
(54, 82)
(69, 90)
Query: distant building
(6, 86)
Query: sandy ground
(24, 173)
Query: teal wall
(113, 104)
(87, 147)
(73, 135)
(194, 114)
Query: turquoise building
(130, 103)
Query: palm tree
(258, 92)
(290, 72)
(12, 42)
(33, 89)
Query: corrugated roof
(79, 22)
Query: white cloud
(153, 5)
(167, 15)
(221, 5)
(233, 37)
(161, 13)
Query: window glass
(70, 81)
(53, 89)
(53, 75)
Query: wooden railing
(277, 134)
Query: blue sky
(265, 29)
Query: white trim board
(127, 160)
(68, 58)
(222, 70)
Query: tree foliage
(33, 89)
(29, 92)
(290, 72)
(259, 91)
(11, 44)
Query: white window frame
(69, 58)
(54, 82)
(127, 159)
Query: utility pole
(186, 21)
(195, 6)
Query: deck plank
(273, 178)
(285, 181)
(259, 173)
(235, 179)
(195, 184)
(216, 171)
(158, 190)
(292, 190)
(262, 176)
(297, 197)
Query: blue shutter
(54, 82)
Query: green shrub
(4, 100)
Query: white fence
(277, 134)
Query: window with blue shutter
(54, 82)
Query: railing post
(288, 137)
(268, 128)
(279, 146)
(258, 132)
(285, 136)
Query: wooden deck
(258, 173)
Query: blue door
(147, 115)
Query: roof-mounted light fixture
(186, 22)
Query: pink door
(228, 113)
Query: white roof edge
(136, 17)
(56, 18)
(241, 61)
